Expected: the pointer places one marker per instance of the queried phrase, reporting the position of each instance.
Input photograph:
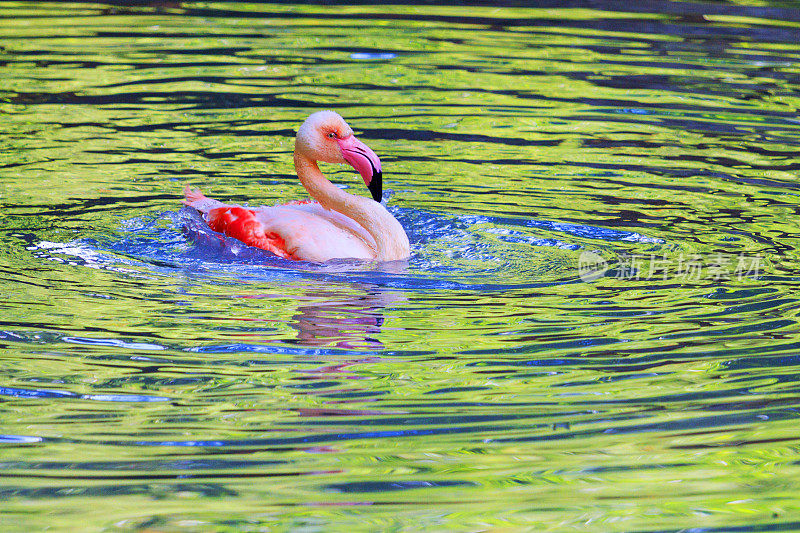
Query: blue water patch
(114, 343)
(19, 439)
(372, 56)
(392, 486)
(49, 393)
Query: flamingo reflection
(337, 316)
(351, 322)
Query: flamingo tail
(196, 199)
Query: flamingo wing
(242, 224)
(313, 233)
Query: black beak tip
(376, 186)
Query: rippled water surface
(597, 329)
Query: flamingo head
(325, 136)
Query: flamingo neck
(391, 240)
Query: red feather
(241, 223)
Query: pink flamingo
(337, 225)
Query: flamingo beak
(366, 163)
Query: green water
(156, 378)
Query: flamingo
(336, 224)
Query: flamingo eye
(332, 135)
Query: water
(158, 378)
